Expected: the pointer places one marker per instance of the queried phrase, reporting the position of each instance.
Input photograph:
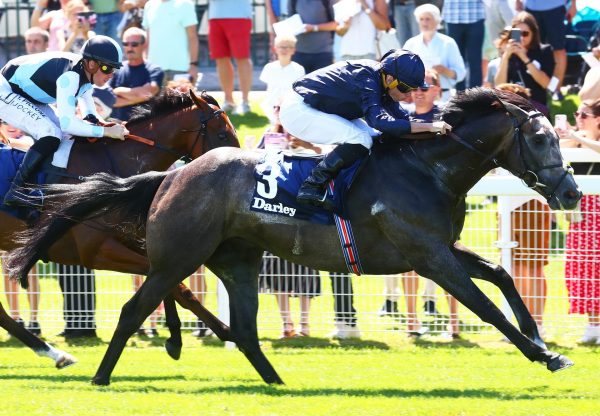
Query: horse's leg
(441, 265)
(173, 344)
(61, 358)
(112, 254)
(186, 298)
(154, 289)
(237, 264)
(481, 268)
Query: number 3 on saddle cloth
(278, 178)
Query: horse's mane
(476, 102)
(168, 101)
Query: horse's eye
(537, 139)
(222, 136)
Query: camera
(515, 34)
(89, 17)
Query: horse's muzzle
(565, 200)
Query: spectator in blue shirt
(138, 80)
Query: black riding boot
(313, 191)
(43, 148)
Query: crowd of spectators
(463, 44)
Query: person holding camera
(79, 29)
(50, 16)
(526, 61)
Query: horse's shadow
(429, 343)
(318, 342)
(253, 387)
(85, 342)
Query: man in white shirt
(437, 51)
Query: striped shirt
(463, 11)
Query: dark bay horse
(407, 208)
(176, 125)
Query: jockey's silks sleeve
(87, 105)
(376, 114)
(67, 86)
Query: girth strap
(349, 249)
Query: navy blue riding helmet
(406, 68)
(103, 49)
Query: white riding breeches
(306, 123)
(37, 120)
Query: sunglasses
(106, 69)
(525, 33)
(401, 86)
(132, 44)
(582, 114)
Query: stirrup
(311, 196)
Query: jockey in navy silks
(347, 104)
(30, 83)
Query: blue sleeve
(156, 75)
(378, 118)
(394, 121)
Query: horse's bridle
(529, 175)
(202, 131)
(186, 157)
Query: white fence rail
(487, 231)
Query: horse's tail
(127, 199)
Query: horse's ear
(199, 103)
(516, 111)
(497, 105)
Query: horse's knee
(128, 320)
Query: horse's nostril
(573, 194)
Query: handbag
(386, 40)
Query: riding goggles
(396, 83)
(106, 69)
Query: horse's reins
(186, 157)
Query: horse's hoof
(173, 349)
(559, 362)
(98, 381)
(65, 361)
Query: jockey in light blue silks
(327, 106)
(28, 84)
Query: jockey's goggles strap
(396, 83)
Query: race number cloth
(278, 178)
